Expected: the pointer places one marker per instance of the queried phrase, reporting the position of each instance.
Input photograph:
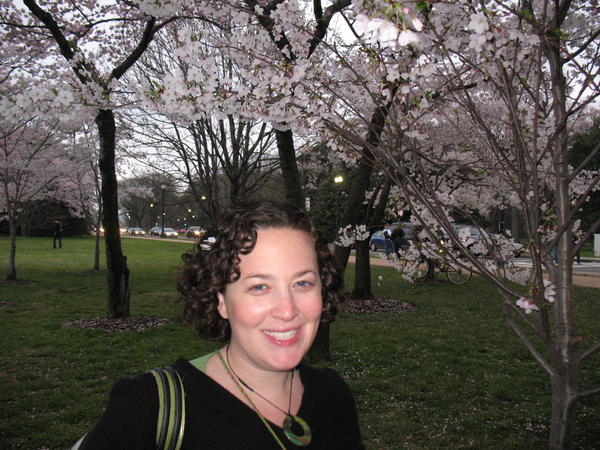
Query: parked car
(169, 232)
(135, 231)
(155, 231)
(195, 232)
(377, 241)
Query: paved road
(589, 266)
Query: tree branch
(324, 20)
(536, 354)
(590, 351)
(63, 44)
(588, 392)
(572, 56)
(149, 32)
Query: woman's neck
(269, 383)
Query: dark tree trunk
(362, 280)
(98, 221)
(289, 168)
(97, 249)
(116, 263)
(12, 267)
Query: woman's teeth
(281, 335)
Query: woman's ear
(222, 307)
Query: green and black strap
(171, 408)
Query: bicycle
(456, 275)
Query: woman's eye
(303, 283)
(258, 288)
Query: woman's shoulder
(323, 379)
(130, 413)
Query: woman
(263, 286)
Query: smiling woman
(263, 287)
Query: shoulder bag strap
(171, 409)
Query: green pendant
(301, 440)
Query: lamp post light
(163, 189)
(338, 180)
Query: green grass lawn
(448, 374)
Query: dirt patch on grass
(375, 304)
(116, 325)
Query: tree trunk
(97, 250)
(362, 280)
(362, 266)
(97, 239)
(116, 263)
(98, 224)
(289, 168)
(564, 389)
(12, 267)
(564, 383)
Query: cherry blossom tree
(92, 45)
(481, 120)
(34, 165)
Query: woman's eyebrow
(266, 276)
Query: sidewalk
(583, 279)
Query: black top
(216, 419)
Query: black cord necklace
(290, 421)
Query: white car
(135, 231)
(169, 232)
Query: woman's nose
(285, 305)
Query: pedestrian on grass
(57, 234)
(387, 240)
(262, 288)
(398, 239)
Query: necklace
(290, 421)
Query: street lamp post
(338, 180)
(163, 188)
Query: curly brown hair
(208, 268)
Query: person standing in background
(57, 234)
(398, 239)
(387, 240)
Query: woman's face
(274, 308)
